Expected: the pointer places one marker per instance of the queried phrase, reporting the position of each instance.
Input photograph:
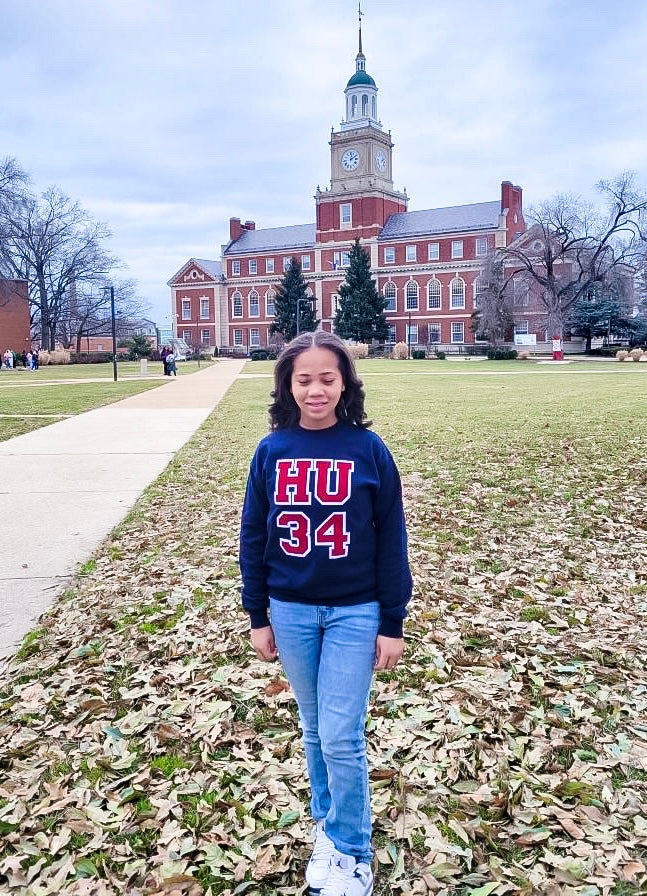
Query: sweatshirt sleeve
(253, 541)
(394, 583)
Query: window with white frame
(392, 333)
(187, 336)
(346, 214)
(205, 337)
(389, 293)
(480, 288)
(457, 293)
(412, 334)
(521, 328)
(286, 263)
(434, 332)
(481, 246)
(433, 251)
(237, 305)
(433, 294)
(270, 295)
(238, 337)
(458, 331)
(341, 259)
(186, 309)
(254, 336)
(253, 267)
(411, 253)
(254, 309)
(457, 248)
(235, 268)
(305, 262)
(389, 255)
(269, 265)
(412, 296)
(204, 309)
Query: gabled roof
(455, 219)
(297, 236)
(213, 268)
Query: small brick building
(14, 316)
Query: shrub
(636, 354)
(55, 357)
(502, 354)
(358, 350)
(622, 355)
(90, 357)
(258, 354)
(418, 354)
(400, 351)
(441, 355)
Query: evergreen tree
(360, 315)
(293, 308)
(594, 315)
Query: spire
(360, 59)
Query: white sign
(525, 339)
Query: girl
(326, 581)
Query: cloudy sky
(166, 117)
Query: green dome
(361, 77)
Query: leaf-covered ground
(144, 750)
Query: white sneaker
(319, 865)
(348, 877)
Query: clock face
(350, 159)
(380, 161)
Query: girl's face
(316, 386)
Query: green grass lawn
(63, 399)
(55, 372)
(146, 746)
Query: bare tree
(13, 184)
(52, 243)
(572, 246)
(87, 311)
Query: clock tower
(360, 166)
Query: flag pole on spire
(360, 14)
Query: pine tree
(360, 315)
(291, 295)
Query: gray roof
(457, 218)
(214, 267)
(298, 236)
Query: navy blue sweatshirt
(323, 523)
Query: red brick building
(14, 316)
(426, 263)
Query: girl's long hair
(284, 411)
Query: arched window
(433, 294)
(389, 294)
(520, 290)
(457, 293)
(270, 295)
(412, 296)
(237, 304)
(364, 105)
(254, 309)
(354, 107)
(374, 108)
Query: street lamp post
(113, 324)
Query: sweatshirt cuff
(390, 627)
(259, 618)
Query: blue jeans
(328, 654)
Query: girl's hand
(264, 644)
(388, 652)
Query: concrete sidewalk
(64, 487)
